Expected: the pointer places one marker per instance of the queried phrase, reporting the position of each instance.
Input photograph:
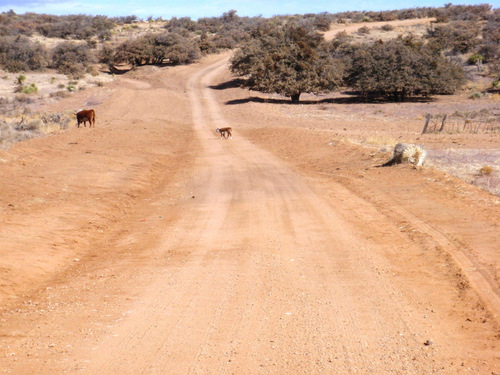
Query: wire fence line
(461, 124)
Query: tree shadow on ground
(231, 84)
(342, 100)
(351, 97)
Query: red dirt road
(149, 246)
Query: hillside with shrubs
(286, 55)
(77, 44)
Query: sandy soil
(147, 245)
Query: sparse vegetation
(289, 56)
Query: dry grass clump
(13, 131)
(27, 125)
(488, 180)
(486, 170)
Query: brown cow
(85, 115)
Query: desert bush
(15, 131)
(474, 58)
(288, 60)
(76, 27)
(206, 44)
(58, 119)
(488, 182)
(20, 79)
(486, 170)
(27, 125)
(32, 125)
(181, 23)
(490, 46)
(71, 69)
(13, 105)
(387, 27)
(125, 19)
(72, 58)
(162, 48)
(29, 89)
(174, 49)
(401, 68)
(467, 12)
(457, 37)
(135, 52)
(322, 21)
(229, 30)
(59, 94)
(20, 53)
(364, 30)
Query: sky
(196, 9)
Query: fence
(460, 124)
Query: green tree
(288, 60)
(400, 68)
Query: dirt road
(149, 246)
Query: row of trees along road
(292, 60)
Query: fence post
(442, 123)
(427, 119)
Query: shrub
(322, 21)
(30, 89)
(457, 36)
(72, 58)
(288, 60)
(20, 53)
(473, 59)
(486, 170)
(364, 30)
(169, 48)
(181, 23)
(402, 68)
(61, 120)
(59, 94)
(75, 27)
(30, 125)
(20, 79)
(18, 131)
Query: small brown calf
(225, 132)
